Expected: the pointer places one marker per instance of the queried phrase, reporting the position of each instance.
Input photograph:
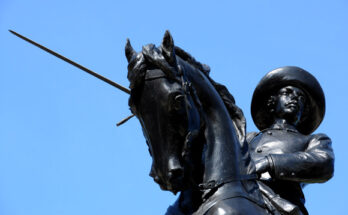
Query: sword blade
(118, 86)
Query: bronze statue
(196, 134)
(287, 106)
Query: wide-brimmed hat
(289, 76)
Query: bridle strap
(154, 74)
(217, 183)
(192, 134)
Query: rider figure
(287, 106)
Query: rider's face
(290, 102)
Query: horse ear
(168, 48)
(130, 52)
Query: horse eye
(179, 97)
(178, 102)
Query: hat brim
(289, 76)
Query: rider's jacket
(295, 160)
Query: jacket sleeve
(314, 165)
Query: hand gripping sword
(118, 86)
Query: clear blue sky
(60, 150)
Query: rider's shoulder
(251, 135)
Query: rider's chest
(278, 142)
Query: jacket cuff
(271, 165)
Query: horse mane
(235, 112)
(137, 69)
(191, 60)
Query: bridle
(193, 133)
(189, 92)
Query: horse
(194, 131)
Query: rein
(191, 135)
(218, 183)
(189, 90)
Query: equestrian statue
(197, 137)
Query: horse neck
(221, 154)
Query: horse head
(163, 101)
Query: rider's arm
(314, 165)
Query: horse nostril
(175, 169)
(157, 179)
